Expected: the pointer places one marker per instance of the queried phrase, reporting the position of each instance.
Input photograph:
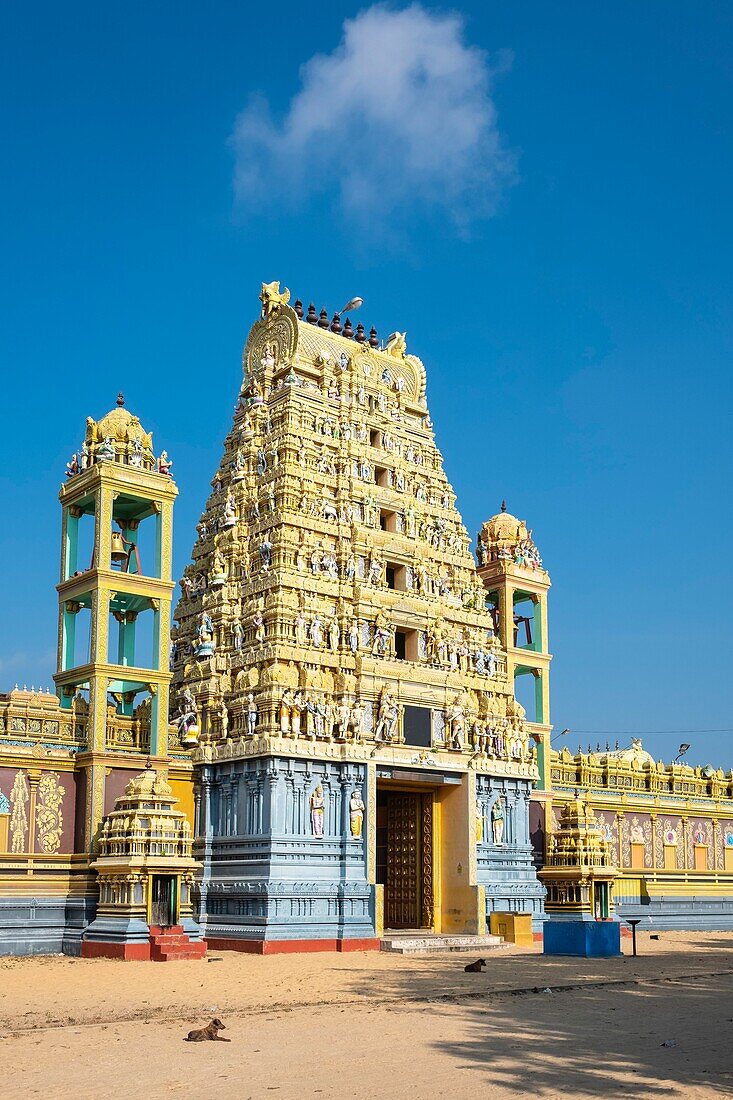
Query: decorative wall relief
(4, 804)
(18, 815)
(49, 817)
(670, 834)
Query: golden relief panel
(19, 796)
(49, 816)
(272, 340)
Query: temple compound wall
(48, 894)
(669, 828)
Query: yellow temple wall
(458, 897)
(669, 827)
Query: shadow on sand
(588, 1040)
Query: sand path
(376, 1025)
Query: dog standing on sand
(211, 1031)
(475, 968)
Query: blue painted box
(579, 937)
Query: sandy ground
(376, 1025)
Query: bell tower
(516, 593)
(114, 598)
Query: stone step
(173, 945)
(427, 944)
(176, 956)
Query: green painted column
(538, 633)
(68, 636)
(70, 542)
(129, 628)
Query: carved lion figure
(271, 298)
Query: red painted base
(164, 945)
(93, 949)
(537, 937)
(291, 947)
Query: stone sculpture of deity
(251, 714)
(316, 631)
(497, 820)
(357, 721)
(455, 724)
(301, 629)
(356, 812)
(342, 716)
(387, 718)
(286, 704)
(317, 807)
(479, 821)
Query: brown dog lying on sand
(211, 1031)
(475, 968)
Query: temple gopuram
(316, 742)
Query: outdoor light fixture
(683, 749)
(562, 733)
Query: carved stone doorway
(405, 857)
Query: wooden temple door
(408, 893)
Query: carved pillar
(34, 778)
(206, 806)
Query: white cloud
(399, 116)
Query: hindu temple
(314, 740)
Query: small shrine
(145, 872)
(578, 872)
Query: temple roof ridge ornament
(283, 340)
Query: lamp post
(633, 922)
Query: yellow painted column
(103, 527)
(459, 896)
(34, 778)
(166, 540)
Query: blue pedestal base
(590, 939)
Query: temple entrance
(163, 901)
(601, 900)
(405, 857)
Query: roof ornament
(397, 345)
(272, 300)
(120, 399)
(503, 506)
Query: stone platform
(420, 942)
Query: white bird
(353, 303)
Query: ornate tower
(114, 595)
(333, 638)
(579, 873)
(517, 585)
(145, 872)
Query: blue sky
(543, 204)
